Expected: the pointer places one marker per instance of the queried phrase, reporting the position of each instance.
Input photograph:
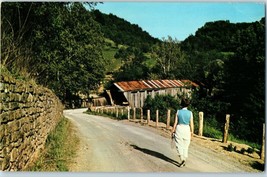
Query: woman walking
(183, 130)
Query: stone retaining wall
(28, 112)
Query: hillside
(218, 35)
(123, 32)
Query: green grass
(60, 149)
(211, 132)
(240, 141)
(112, 63)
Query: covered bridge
(134, 93)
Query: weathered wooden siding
(137, 99)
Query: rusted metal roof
(152, 84)
(189, 83)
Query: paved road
(120, 146)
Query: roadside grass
(60, 148)
(240, 141)
(211, 132)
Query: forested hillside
(123, 32)
(230, 60)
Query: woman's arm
(175, 123)
(191, 125)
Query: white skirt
(182, 140)
(183, 131)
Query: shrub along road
(109, 145)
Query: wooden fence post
(263, 143)
(128, 108)
(117, 112)
(168, 119)
(141, 114)
(122, 111)
(200, 128)
(134, 113)
(148, 116)
(226, 128)
(157, 118)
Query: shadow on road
(156, 154)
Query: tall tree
(66, 44)
(170, 59)
(245, 81)
(133, 67)
(15, 36)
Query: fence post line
(141, 114)
(168, 119)
(200, 128)
(263, 143)
(157, 118)
(148, 116)
(134, 113)
(226, 128)
(128, 108)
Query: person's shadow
(156, 154)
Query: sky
(181, 19)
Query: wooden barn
(134, 93)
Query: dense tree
(170, 59)
(229, 59)
(65, 44)
(245, 81)
(123, 32)
(16, 36)
(133, 68)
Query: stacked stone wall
(28, 112)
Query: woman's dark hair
(185, 102)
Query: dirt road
(120, 146)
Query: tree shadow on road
(156, 154)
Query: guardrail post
(168, 119)
(134, 113)
(200, 128)
(117, 112)
(128, 108)
(141, 114)
(148, 116)
(263, 143)
(157, 118)
(226, 128)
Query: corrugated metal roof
(189, 83)
(152, 84)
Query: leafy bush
(212, 132)
(161, 103)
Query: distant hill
(123, 32)
(218, 35)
